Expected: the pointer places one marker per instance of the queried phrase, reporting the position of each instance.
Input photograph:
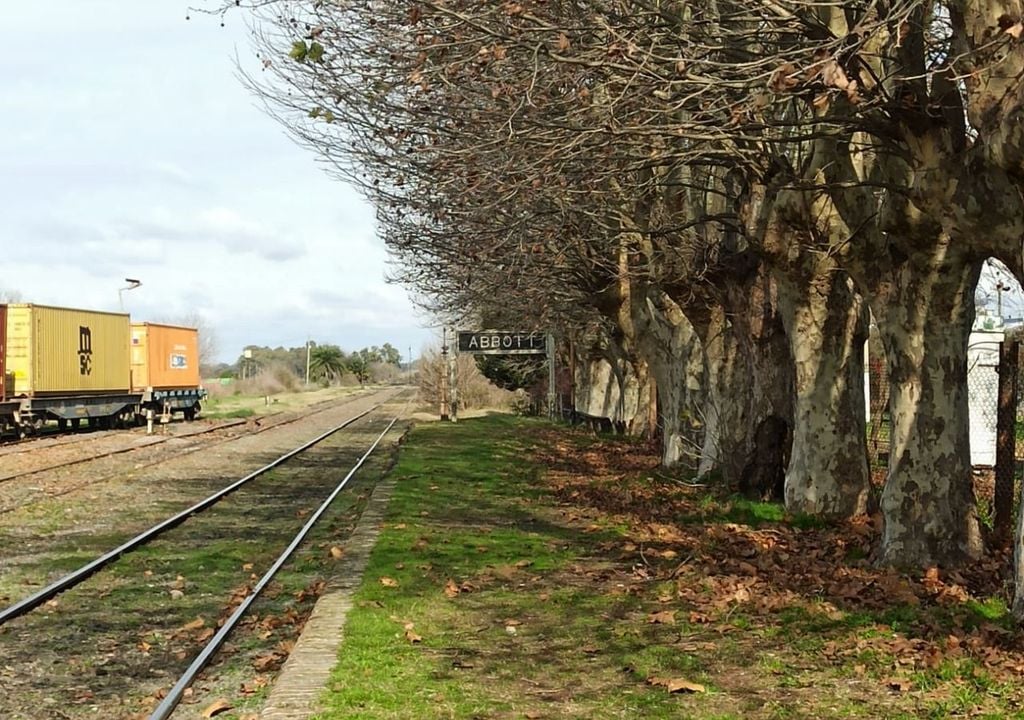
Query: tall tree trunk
(924, 308)
(749, 377)
(639, 424)
(729, 429)
(826, 324)
(763, 338)
(664, 338)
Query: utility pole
(132, 284)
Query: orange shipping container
(164, 357)
(62, 351)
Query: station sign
(503, 342)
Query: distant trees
(359, 366)
(294, 359)
(207, 335)
(386, 354)
(328, 363)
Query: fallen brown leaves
(677, 685)
(217, 707)
(273, 659)
(827, 573)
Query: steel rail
(173, 697)
(316, 408)
(322, 406)
(68, 581)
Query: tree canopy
(718, 195)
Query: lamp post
(1000, 287)
(132, 284)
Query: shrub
(474, 390)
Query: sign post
(453, 384)
(503, 342)
(506, 342)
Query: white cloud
(130, 149)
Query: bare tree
(207, 335)
(728, 167)
(10, 296)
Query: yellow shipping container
(164, 357)
(66, 351)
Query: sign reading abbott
(500, 342)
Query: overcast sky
(129, 148)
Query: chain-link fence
(983, 401)
(996, 423)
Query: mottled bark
(641, 425)
(924, 308)
(665, 338)
(989, 57)
(763, 340)
(1018, 563)
(606, 387)
(749, 374)
(826, 325)
(728, 429)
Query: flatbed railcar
(70, 366)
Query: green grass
(471, 507)
(467, 509)
(228, 405)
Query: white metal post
(444, 373)
(551, 376)
(307, 362)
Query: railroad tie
(296, 693)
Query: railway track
(83, 573)
(145, 442)
(135, 442)
(264, 490)
(160, 448)
(19, 446)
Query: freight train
(70, 366)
